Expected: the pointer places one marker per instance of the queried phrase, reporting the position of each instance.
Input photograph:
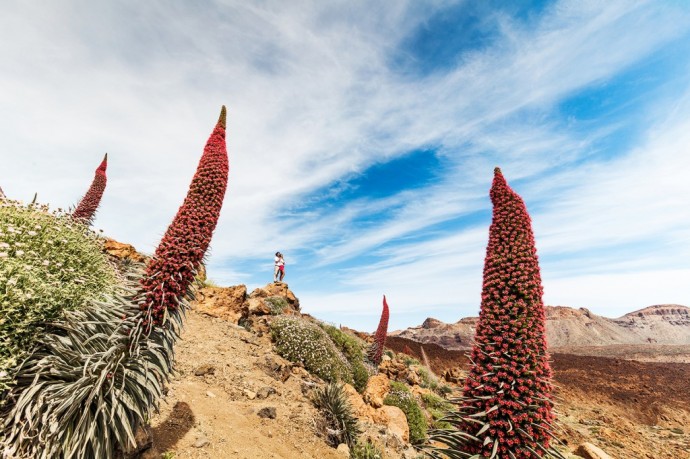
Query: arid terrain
(212, 407)
(630, 409)
(227, 375)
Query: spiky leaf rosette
(376, 349)
(181, 251)
(88, 205)
(506, 409)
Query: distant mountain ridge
(569, 327)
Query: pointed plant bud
(86, 209)
(376, 349)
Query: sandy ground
(215, 415)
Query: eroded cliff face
(567, 327)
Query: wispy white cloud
(312, 99)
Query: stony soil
(227, 375)
(632, 410)
(215, 415)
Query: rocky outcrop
(228, 303)
(234, 305)
(568, 327)
(377, 388)
(122, 252)
(391, 417)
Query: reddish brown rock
(122, 251)
(589, 451)
(223, 302)
(377, 388)
(397, 422)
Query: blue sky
(362, 139)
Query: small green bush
(365, 450)
(49, 264)
(403, 399)
(429, 380)
(438, 408)
(353, 350)
(301, 341)
(409, 361)
(340, 424)
(277, 304)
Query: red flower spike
(86, 209)
(171, 271)
(511, 372)
(376, 349)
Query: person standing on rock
(278, 268)
(281, 268)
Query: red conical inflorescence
(510, 379)
(376, 350)
(171, 272)
(86, 209)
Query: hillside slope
(212, 407)
(227, 375)
(568, 327)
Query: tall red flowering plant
(86, 209)
(171, 272)
(105, 365)
(506, 408)
(376, 349)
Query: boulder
(257, 306)
(343, 449)
(122, 251)
(205, 369)
(419, 391)
(226, 303)
(397, 422)
(359, 408)
(413, 377)
(277, 289)
(589, 451)
(377, 388)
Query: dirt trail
(215, 415)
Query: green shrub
(277, 304)
(429, 380)
(301, 341)
(365, 450)
(437, 407)
(353, 350)
(403, 399)
(48, 264)
(409, 361)
(340, 424)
